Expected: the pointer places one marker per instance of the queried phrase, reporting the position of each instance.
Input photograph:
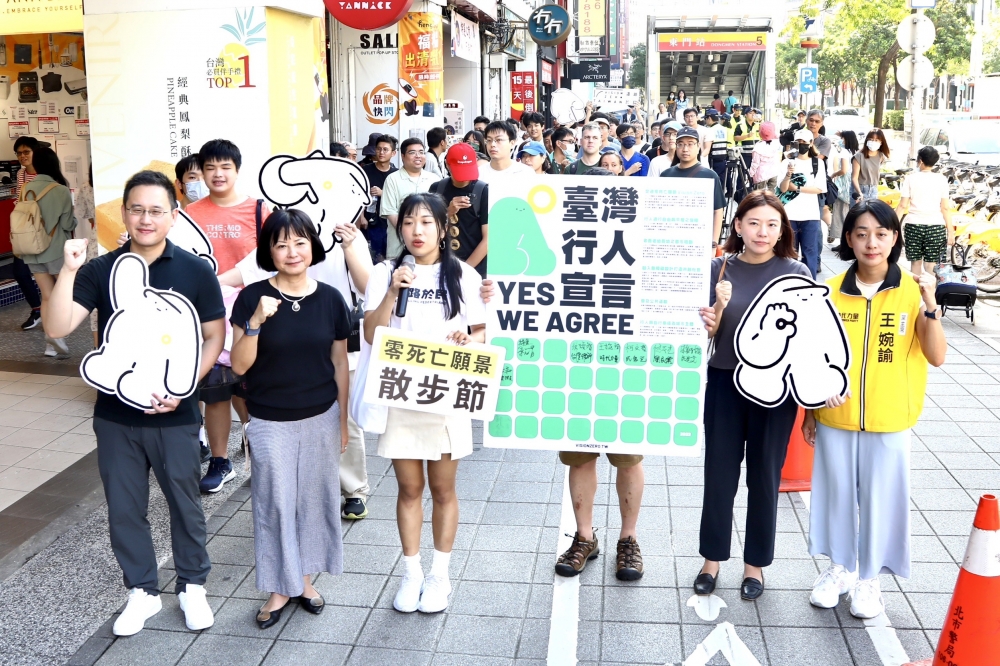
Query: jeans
(807, 238)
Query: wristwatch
(932, 314)
(250, 331)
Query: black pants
(741, 191)
(733, 423)
(719, 167)
(27, 284)
(124, 457)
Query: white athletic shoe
(141, 606)
(866, 599)
(50, 350)
(408, 598)
(832, 583)
(434, 598)
(60, 345)
(197, 613)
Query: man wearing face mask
(189, 185)
(634, 162)
(563, 147)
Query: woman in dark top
(290, 341)
(760, 248)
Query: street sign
(808, 78)
(915, 34)
(915, 72)
(616, 99)
(549, 25)
(592, 71)
(589, 46)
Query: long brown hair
(876, 133)
(785, 247)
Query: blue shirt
(641, 159)
(729, 104)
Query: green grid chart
(638, 397)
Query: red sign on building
(368, 14)
(522, 93)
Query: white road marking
(707, 607)
(565, 619)
(723, 639)
(879, 629)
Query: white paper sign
(791, 340)
(599, 282)
(419, 372)
(152, 343)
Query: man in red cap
(466, 196)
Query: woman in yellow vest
(860, 513)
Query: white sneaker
(60, 345)
(50, 350)
(832, 583)
(197, 613)
(434, 598)
(866, 599)
(141, 606)
(408, 598)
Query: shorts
(574, 458)
(220, 385)
(925, 242)
(49, 267)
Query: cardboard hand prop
(330, 190)
(791, 339)
(152, 343)
(187, 235)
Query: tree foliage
(637, 70)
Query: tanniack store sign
(26, 17)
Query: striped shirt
(23, 178)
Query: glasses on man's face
(139, 212)
(23, 153)
(383, 151)
(496, 141)
(413, 153)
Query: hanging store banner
(421, 73)
(419, 372)
(592, 18)
(376, 77)
(31, 17)
(366, 15)
(712, 41)
(464, 38)
(598, 292)
(613, 33)
(591, 71)
(149, 112)
(522, 94)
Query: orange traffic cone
(796, 475)
(971, 633)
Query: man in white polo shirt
(401, 184)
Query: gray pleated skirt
(296, 500)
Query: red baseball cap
(462, 162)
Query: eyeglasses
(23, 153)
(411, 153)
(154, 213)
(497, 141)
(383, 150)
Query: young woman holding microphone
(443, 300)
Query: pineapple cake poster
(253, 75)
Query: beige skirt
(413, 435)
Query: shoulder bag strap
(477, 193)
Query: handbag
(357, 315)
(369, 417)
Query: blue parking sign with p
(808, 78)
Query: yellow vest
(888, 369)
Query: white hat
(803, 135)
(603, 121)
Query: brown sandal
(572, 562)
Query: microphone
(404, 295)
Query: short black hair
(435, 136)
(655, 123)
(532, 117)
(283, 223)
(154, 178)
(412, 141)
(716, 96)
(690, 110)
(622, 130)
(928, 155)
(184, 165)
(886, 218)
(338, 149)
(28, 142)
(480, 119)
(389, 139)
(219, 150)
(561, 133)
(501, 126)
(598, 114)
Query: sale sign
(522, 93)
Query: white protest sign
(616, 99)
(791, 340)
(420, 372)
(152, 343)
(598, 286)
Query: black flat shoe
(315, 605)
(267, 619)
(751, 589)
(704, 584)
